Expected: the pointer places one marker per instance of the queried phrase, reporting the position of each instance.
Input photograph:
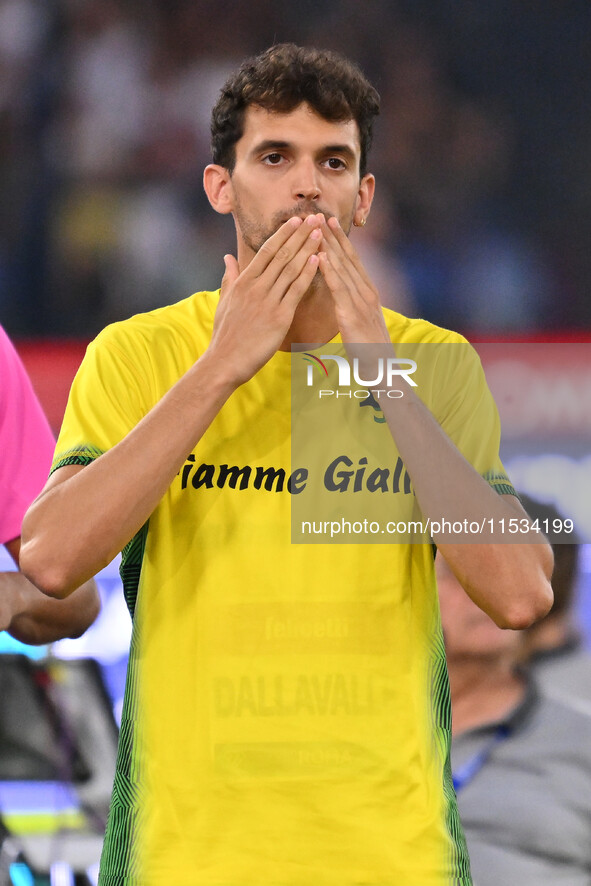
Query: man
(292, 721)
(521, 761)
(26, 447)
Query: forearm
(508, 577)
(78, 524)
(85, 517)
(32, 617)
(508, 581)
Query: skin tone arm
(126, 483)
(262, 300)
(510, 582)
(32, 617)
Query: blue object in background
(20, 874)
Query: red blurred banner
(51, 366)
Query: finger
(306, 238)
(347, 296)
(295, 232)
(348, 279)
(343, 287)
(357, 322)
(271, 245)
(347, 264)
(231, 273)
(292, 270)
(337, 248)
(344, 242)
(340, 289)
(301, 284)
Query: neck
(482, 691)
(314, 321)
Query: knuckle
(283, 254)
(266, 249)
(290, 271)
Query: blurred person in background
(101, 131)
(555, 646)
(26, 450)
(521, 761)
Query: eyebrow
(345, 150)
(268, 144)
(274, 144)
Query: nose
(306, 185)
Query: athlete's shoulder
(416, 331)
(187, 323)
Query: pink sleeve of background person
(26, 442)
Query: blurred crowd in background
(482, 154)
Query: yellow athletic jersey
(287, 718)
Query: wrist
(221, 373)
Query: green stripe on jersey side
(120, 856)
(458, 858)
(130, 570)
(120, 861)
(439, 684)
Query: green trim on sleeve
(500, 483)
(79, 455)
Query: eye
(273, 159)
(335, 163)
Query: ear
(367, 187)
(217, 184)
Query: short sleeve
(107, 399)
(26, 442)
(468, 414)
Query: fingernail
(316, 234)
(311, 220)
(295, 221)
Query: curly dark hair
(283, 77)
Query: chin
(317, 281)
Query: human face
(295, 163)
(470, 634)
